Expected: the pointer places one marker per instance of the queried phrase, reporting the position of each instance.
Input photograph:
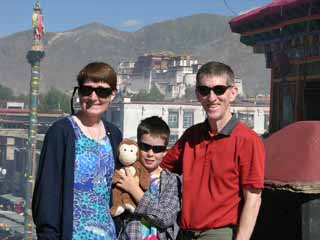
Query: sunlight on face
(149, 159)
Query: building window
(173, 119)
(115, 117)
(246, 118)
(311, 98)
(187, 119)
(19, 161)
(172, 140)
(266, 122)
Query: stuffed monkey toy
(128, 152)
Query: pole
(34, 57)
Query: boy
(157, 208)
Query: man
(222, 164)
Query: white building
(179, 116)
(190, 79)
(124, 73)
(15, 105)
(169, 72)
(239, 85)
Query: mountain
(206, 36)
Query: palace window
(187, 118)
(173, 119)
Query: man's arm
(252, 202)
(252, 158)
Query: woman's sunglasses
(100, 91)
(218, 90)
(156, 149)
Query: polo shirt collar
(227, 129)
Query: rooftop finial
(37, 6)
(38, 27)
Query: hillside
(205, 36)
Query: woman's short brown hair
(98, 72)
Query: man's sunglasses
(218, 90)
(156, 149)
(100, 91)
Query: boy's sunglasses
(156, 149)
(100, 91)
(218, 90)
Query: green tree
(22, 98)
(6, 93)
(153, 96)
(190, 94)
(54, 100)
(140, 96)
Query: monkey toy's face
(128, 153)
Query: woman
(73, 185)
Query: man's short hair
(155, 127)
(216, 69)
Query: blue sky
(126, 15)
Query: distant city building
(13, 118)
(124, 73)
(171, 73)
(179, 115)
(239, 85)
(14, 125)
(15, 105)
(190, 79)
(126, 67)
(156, 61)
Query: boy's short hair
(154, 126)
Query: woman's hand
(128, 183)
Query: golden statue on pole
(34, 57)
(38, 28)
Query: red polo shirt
(215, 169)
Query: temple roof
(275, 13)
